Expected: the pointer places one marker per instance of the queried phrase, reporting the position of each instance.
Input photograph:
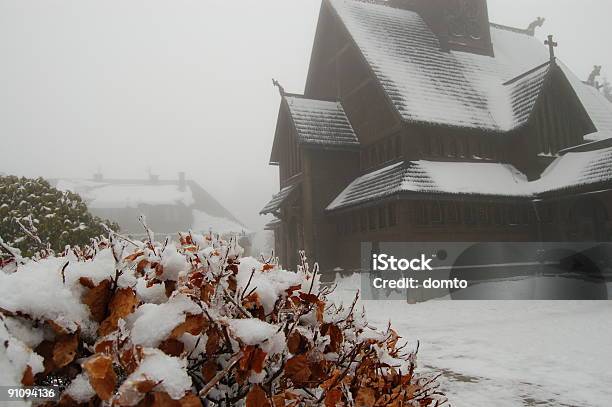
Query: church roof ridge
(512, 29)
(526, 73)
(301, 96)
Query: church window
(483, 215)
(436, 213)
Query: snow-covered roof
(524, 92)
(576, 169)
(429, 85)
(203, 222)
(572, 170)
(594, 102)
(598, 136)
(278, 199)
(321, 123)
(117, 194)
(273, 224)
(102, 195)
(435, 177)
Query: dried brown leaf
(193, 324)
(101, 375)
(190, 400)
(209, 370)
(45, 349)
(212, 344)
(294, 343)
(122, 304)
(169, 287)
(333, 397)
(172, 347)
(86, 282)
(130, 358)
(145, 386)
(366, 397)
(28, 377)
(97, 299)
(253, 359)
(159, 399)
(141, 266)
(207, 292)
(257, 397)
(335, 335)
(297, 369)
(65, 350)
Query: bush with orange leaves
(130, 323)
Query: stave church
(423, 121)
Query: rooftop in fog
(123, 198)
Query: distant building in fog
(170, 206)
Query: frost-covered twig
(31, 234)
(11, 251)
(111, 232)
(148, 231)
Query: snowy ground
(508, 353)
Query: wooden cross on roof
(551, 46)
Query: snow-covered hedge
(188, 324)
(34, 216)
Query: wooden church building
(423, 121)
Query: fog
(128, 87)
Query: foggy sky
(124, 86)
